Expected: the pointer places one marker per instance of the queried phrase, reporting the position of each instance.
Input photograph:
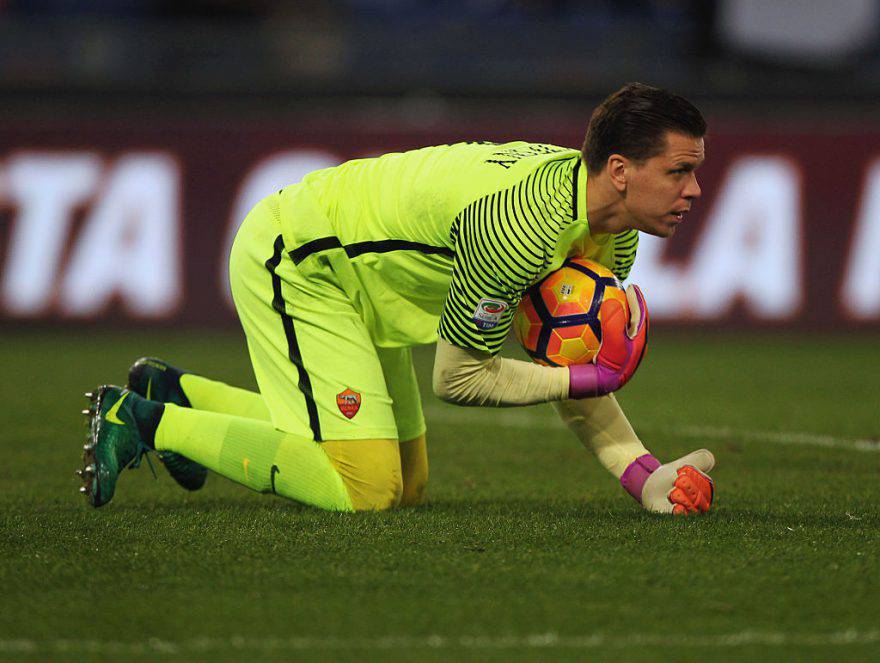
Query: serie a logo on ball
(559, 320)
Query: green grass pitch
(528, 549)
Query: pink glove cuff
(636, 473)
(588, 380)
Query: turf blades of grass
(528, 549)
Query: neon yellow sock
(216, 396)
(254, 454)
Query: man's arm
(602, 427)
(468, 376)
(681, 487)
(471, 377)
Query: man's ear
(617, 167)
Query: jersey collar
(579, 191)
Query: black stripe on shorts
(293, 352)
(315, 246)
(360, 248)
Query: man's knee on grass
(370, 470)
(414, 468)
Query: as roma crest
(349, 402)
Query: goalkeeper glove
(681, 487)
(622, 349)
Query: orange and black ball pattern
(560, 320)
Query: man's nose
(692, 188)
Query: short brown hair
(634, 121)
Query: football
(560, 319)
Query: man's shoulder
(509, 155)
(502, 154)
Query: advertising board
(125, 222)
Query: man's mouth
(680, 214)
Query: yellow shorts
(316, 366)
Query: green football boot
(158, 380)
(113, 443)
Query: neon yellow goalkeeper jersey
(445, 239)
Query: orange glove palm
(693, 492)
(624, 337)
(681, 487)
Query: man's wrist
(591, 380)
(582, 380)
(636, 474)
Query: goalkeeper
(336, 278)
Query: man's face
(660, 191)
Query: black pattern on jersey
(502, 244)
(625, 245)
(507, 157)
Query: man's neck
(605, 207)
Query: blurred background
(136, 134)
